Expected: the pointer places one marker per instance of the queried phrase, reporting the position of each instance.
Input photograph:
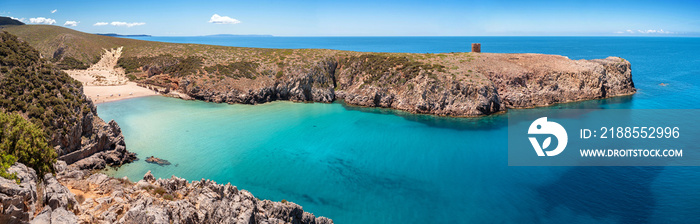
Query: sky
(366, 18)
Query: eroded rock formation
(493, 83)
(81, 196)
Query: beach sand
(102, 94)
(104, 82)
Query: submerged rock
(158, 161)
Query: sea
(370, 165)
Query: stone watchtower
(476, 47)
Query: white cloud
(117, 23)
(18, 19)
(54, 11)
(661, 31)
(71, 23)
(42, 20)
(126, 24)
(216, 18)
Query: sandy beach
(102, 94)
(104, 82)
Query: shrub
(175, 66)
(24, 142)
(236, 70)
(159, 190)
(72, 63)
(380, 69)
(168, 197)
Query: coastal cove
(370, 165)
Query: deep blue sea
(364, 165)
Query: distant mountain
(119, 35)
(9, 21)
(239, 35)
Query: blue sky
(367, 18)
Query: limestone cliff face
(484, 84)
(301, 84)
(92, 143)
(537, 83)
(421, 94)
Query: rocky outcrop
(476, 84)
(19, 201)
(78, 196)
(93, 144)
(314, 83)
(555, 79)
(158, 161)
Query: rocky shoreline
(82, 196)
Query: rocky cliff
(481, 84)
(81, 196)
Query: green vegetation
(159, 190)
(48, 97)
(388, 69)
(236, 70)
(72, 63)
(167, 63)
(168, 197)
(24, 142)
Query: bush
(175, 66)
(72, 63)
(379, 69)
(159, 191)
(236, 70)
(24, 142)
(168, 197)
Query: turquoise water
(364, 165)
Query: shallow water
(368, 165)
